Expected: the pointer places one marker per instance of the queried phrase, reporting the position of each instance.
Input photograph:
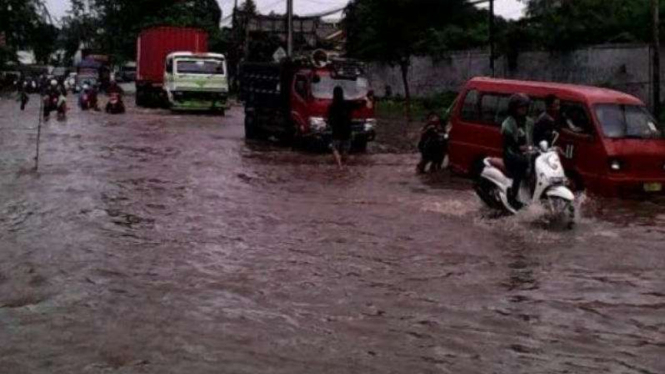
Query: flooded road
(160, 243)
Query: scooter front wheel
(562, 212)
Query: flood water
(162, 243)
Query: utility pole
(491, 37)
(655, 10)
(289, 26)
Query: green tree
(24, 23)
(565, 25)
(112, 26)
(394, 31)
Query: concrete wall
(622, 67)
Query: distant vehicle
(611, 145)
(60, 72)
(153, 46)
(291, 100)
(126, 73)
(196, 81)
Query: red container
(156, 43)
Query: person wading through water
(339, 119)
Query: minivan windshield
(627, 122)
(206, 67)
(353, 89)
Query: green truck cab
(196, 81)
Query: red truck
(153, 46)
(290, 100)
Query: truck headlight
(370, 124)
(615, 165)
(317, 123)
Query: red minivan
(611, 144)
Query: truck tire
(360, 146)
(251, 132)
(140, 101)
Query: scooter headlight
(615, 165)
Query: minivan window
(470, 106)
(574, 118)
(494, 108)
(627, 122)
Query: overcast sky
(505, 8)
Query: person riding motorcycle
(517, 131)
(88, 98)
(432, 146)
(115, 104)
(54, 97)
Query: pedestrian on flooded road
(23, 95)
(339, 118)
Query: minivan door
(583, 157)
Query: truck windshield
(628, 122)
(353, 89)
(206, 67)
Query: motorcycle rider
(54, 99)
(115, 104)
(517, 131)
(431, 147)
(88, 98)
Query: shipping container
(153, 45)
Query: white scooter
(549, 188)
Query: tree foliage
(393, 31)
(568, 24)
(112, 26)
(26, 24)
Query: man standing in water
(339, 119)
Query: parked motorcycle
(549, 186)
(115, 104)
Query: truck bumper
(199, 101)
(626, 186)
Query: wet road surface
(160, 243)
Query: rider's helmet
(86, 87)
(54, 82)
(517, 101)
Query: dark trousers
(518, 167)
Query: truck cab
(293, 99)
(196, 81)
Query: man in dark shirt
(339, 119)
(546, 124)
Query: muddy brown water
(161, 243)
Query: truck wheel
(360, 146)
(251, 131)
(140, 102)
